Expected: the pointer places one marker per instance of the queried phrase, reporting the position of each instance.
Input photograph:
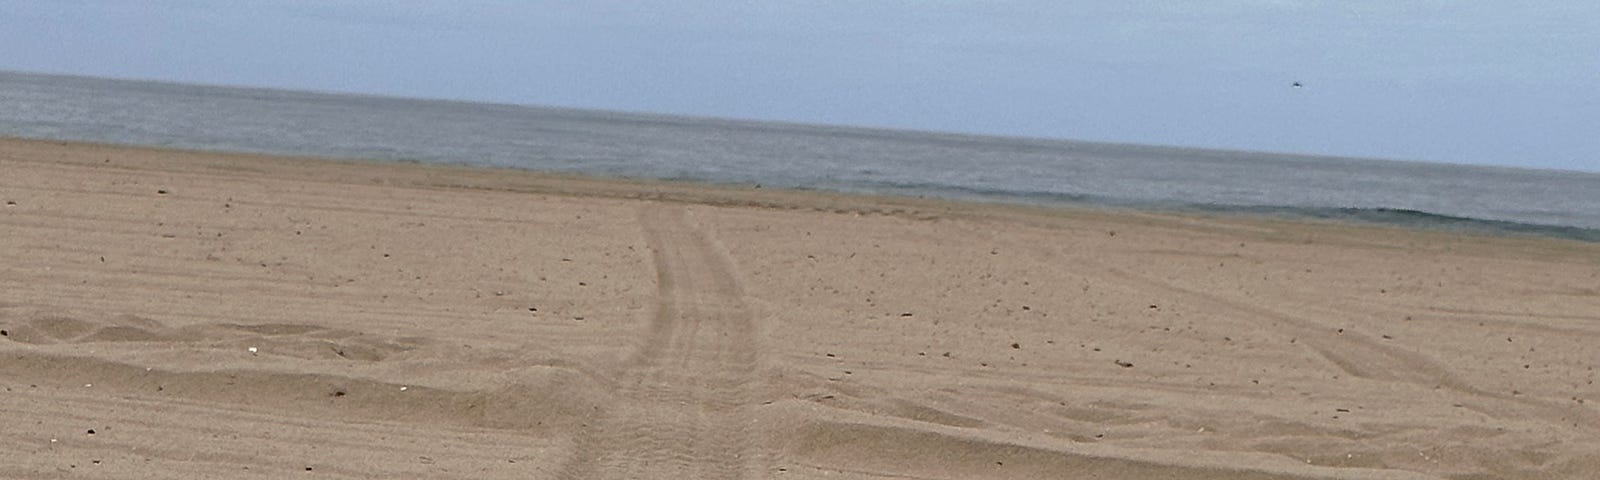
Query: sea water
(848, 159)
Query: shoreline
(734, 194)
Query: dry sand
(430, 322)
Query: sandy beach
(172, 314)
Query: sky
(1487, 82)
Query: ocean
(847, 159)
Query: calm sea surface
(1555, 203)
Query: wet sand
(198, 315)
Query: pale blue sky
(1485, 82)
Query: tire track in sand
(1363, 357)
(678, 411)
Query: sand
(198, 315)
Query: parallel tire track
(678, 413)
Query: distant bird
(1297, 85)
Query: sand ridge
(439, 322)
